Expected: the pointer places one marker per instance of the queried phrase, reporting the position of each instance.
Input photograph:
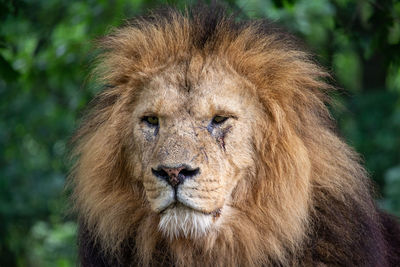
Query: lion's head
(211, 140)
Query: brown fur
(302, 200)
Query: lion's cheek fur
(287, 182)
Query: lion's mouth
(215, 213)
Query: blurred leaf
(394, 33)
(6, 70)
(347, 66)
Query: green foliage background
(45, 54)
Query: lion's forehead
(211, 91)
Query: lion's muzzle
(175, 175)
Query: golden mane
(308, 185)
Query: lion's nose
(175, 175)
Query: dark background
(45, 57)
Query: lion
(212, 145)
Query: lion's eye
(151, 120)
(219, 120)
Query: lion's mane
(309, 201)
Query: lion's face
(193, 137)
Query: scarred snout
(175, 175)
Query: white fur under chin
(184, 222)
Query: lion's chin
(179, 221)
